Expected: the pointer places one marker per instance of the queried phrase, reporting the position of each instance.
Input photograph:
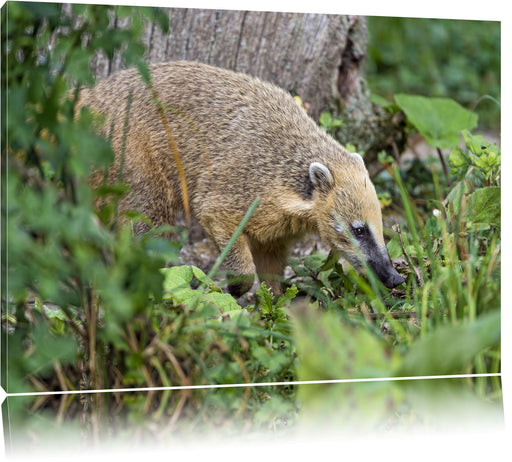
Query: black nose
(394, 279)
(384, 269)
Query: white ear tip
(317, 167)
(357, 156)
(320, 175)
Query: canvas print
(229, 222)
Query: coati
(238, 139)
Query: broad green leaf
(449, 349)
(177, 283)
(439, 120)
(225, 302)
(328, 348)
(484, 206)
(177, 287)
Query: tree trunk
(318, 57)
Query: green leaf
(380, 100)
(439, 120)
(265, 298)
(457, 158)
(449, 349)
(177, 283)
(395, 249)
(78, 66)
(116, 189)
(328, 348)
(225, 302)
(177, 287)
(475, 143)
(48, 349)
(484, 206)
(288, 296)
(454, 197)
(328, 123)
(144, 72)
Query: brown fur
(239, 139)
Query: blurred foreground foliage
(88, 305)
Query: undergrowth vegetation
(436, 58)
(86, 304)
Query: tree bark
(303, 53)
(319, 57)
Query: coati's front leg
(270, 260)
(238, 261)
(247, 257)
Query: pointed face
(349, 218)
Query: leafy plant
(437, 58)
(439, 120)
(479, 163)
(446, 321)
(55, 250)
(448, 246)
(328, 122)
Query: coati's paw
(239, 285)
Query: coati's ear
(321, 177)
(357, 156)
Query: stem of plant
(445, 168)
(234, 237)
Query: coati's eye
(359, 230)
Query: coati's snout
(350, 219)
(362, 244)
(387, 273)
(376, 256)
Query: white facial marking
(338, 227)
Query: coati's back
(232, 131)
